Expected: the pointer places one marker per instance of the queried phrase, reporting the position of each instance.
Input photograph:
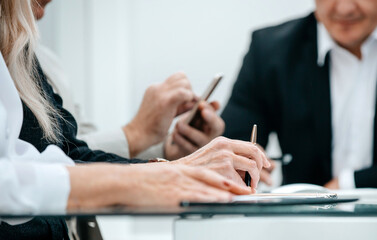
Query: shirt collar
(374, 34)
(326, 43)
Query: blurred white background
(112, 50)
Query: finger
(266, 162)
(180, 96)
(185, 146)
(255, 177)
(237, 178)
(272, 167)
(216, 105)
(185, 107)
(246, 164)
(265, 177)
(256, 155)
(215, 123)
(216, 180)
(205, 193)
(179, 83)
(194, 135)
(264, 152)
(249, 150)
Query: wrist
(105, 188)
(137, 139)
(182, 161)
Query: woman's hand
(164, 184)
(230, 158)
(154, 184)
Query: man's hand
(161, 104)
(333, 184)
(229, 158)
(187, 139)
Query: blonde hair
(18, 36)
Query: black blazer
(281, 88)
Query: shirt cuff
(54, 187)
(38, 188)
(113, 141)
(346, 179)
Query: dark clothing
(54, 228)
(36, 229)
(282, 89)
(76, 149)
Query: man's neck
(356, 51)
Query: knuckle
(152, 88)
(226, 161)
(253, 164)
(181, 92)
(226, 155)
(254, 151)
(221, 142)
(201, 173)
(223, 155)
(180, 75)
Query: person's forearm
(96, 185)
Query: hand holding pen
(248, 180)
(253, 140)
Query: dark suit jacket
(281, 88)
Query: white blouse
(30, 181)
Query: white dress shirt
(30, 182)
(353, 84)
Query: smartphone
(194, 119)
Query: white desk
(266, 228)
(346, 221)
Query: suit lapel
(375, 136)
(321, 101)
(318, 80)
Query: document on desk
(272, 199)
(278, 196)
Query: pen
(253, 140)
